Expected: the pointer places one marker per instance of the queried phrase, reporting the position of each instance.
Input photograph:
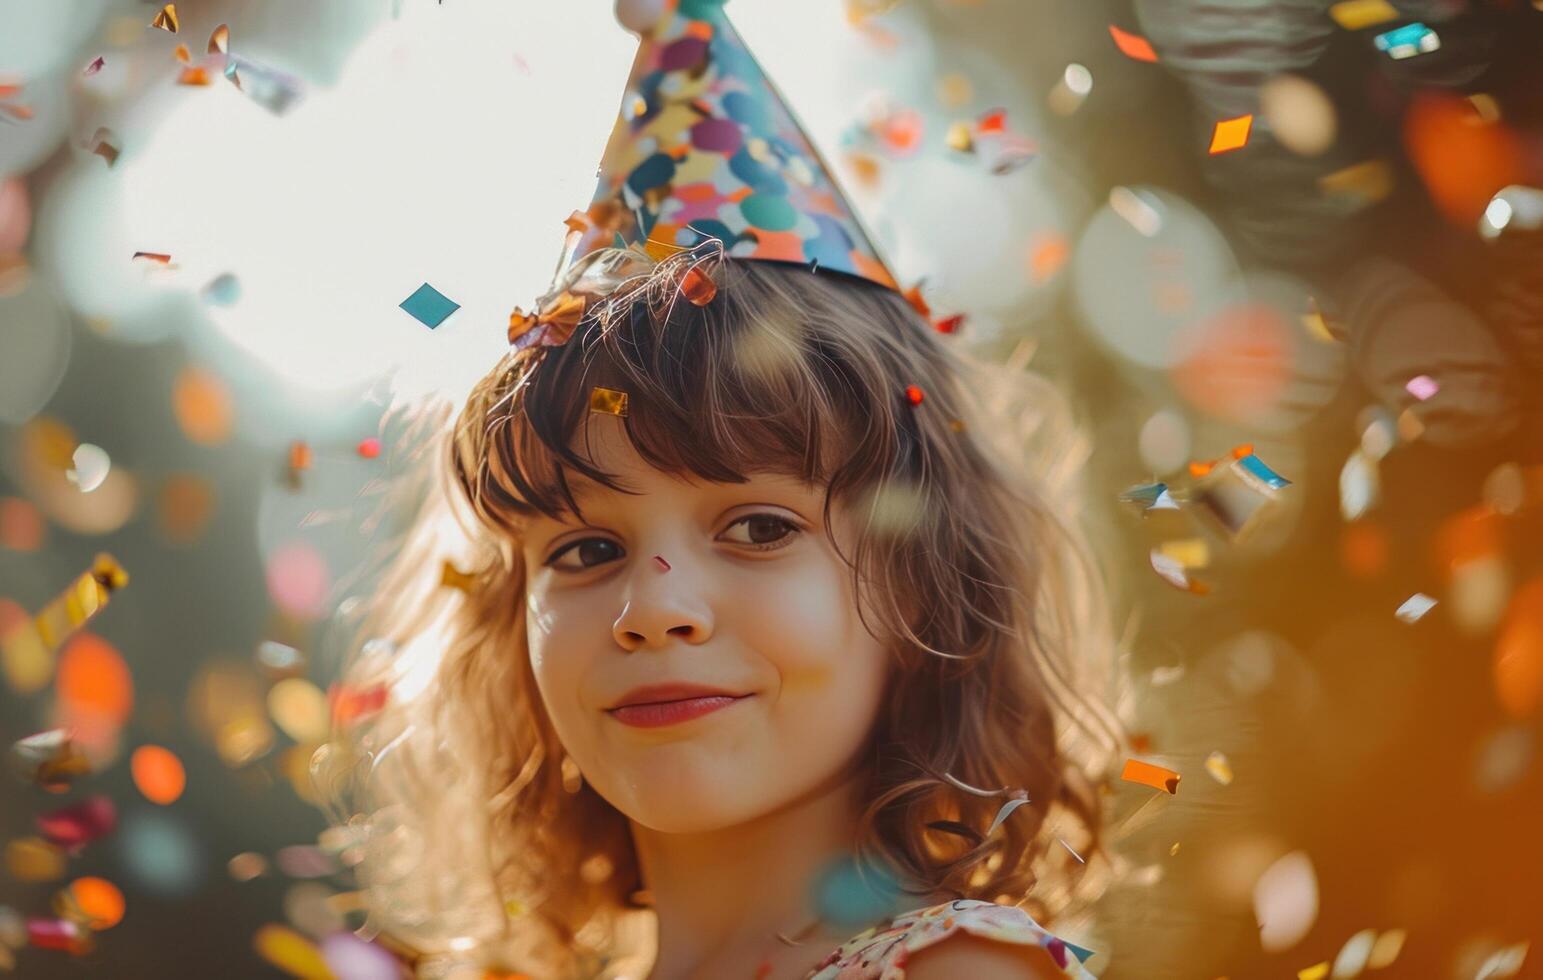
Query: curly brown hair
(478, 843)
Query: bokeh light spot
(158, 773)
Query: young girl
(760, 648)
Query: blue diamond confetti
(1255, 467)
(429, 306)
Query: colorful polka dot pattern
(704, 144)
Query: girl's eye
(588, 551)
(761, 531)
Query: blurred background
(1249, 238)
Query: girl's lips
(671, 712)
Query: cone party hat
(705, 147)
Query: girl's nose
(661, 604)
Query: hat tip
(641, 16)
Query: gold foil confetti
(85, 597)
(608, 401)
(219, 41)
(454, 578)
(1353, 15)
(1217, 765)
(166, 20)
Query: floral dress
(881, 953)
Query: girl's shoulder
(880, 953)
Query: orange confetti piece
(608, 401)
(698, 288)
(1518, 663)
(300, 456)
(183, 55)
(660, 250)
(193, 76)
(913, 394)
(1147, 774)
(17, 111)
(160, 257)
(158, 773)
(1133, 46)
(99, 900)
(166, 20)
(1231, 134)
(913, 295)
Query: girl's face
(755, 601)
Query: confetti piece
(166, 20)
(1151, 775)
(158, 773)
(368, 448)
(1188, 552)
(429, 306)
(698, 287)
(1133, 46)
(1360, 486)
(219, 40)
(664, 566)
(948, 325)
(299, 708)
(79, 823)
(1386, 949)
(914, 395)
(1361, 184)
(95, 66)
(290, 952)
(351, 704)
(85, 597)
(91, 467)
(246, 866)
(49, 759)
(1071, 851)
(279, 660)
(1254, 468)
(608, 401)
(1006, 811)
(159, 258)
(1175, 575)
(1422, 386)
(1315, 972)
(299, 460)
(454, 578)
(959, 139)
(1353, 15)
(268, 87)
(1351, 961)
(1216, 764)
(1414, 608)
(1286, 901)
(222, 290)
(60, 934)
(193, 75)
(182, 54)
(104, 143)
(1408, 41)
(1145, 494)
(98, 900)
(34, 859)
(1231, 134)
(1136, 210)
